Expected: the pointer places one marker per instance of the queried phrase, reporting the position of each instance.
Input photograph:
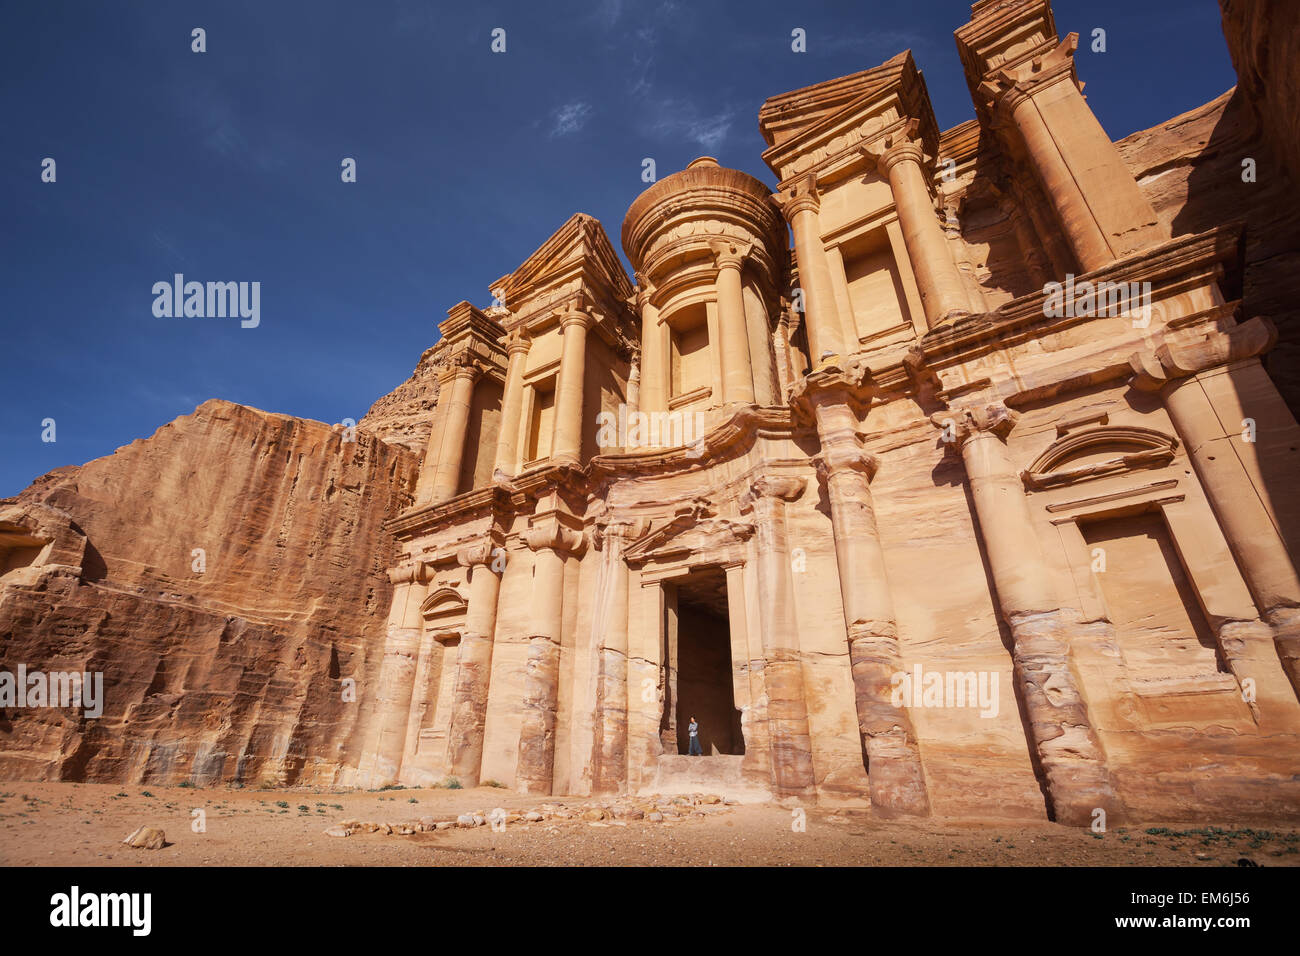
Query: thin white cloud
(680, 120)
(570, 118)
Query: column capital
(960, 424)
(730, 253)
(481, 553)
(416, 572)
(780, 487)
(800, 196)
(623, 530)
(556, 537)
(642, 292)
(518, 342)
(834, 461)
(902, 145)
(1155, 368)
(576, 317)
(1004, 90)
(463, 365)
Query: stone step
(720, 774)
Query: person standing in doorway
(695, 750)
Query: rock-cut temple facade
(949, 470)
(944, 474)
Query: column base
(894, 774)
(894, 771)
(1078, 780)
(790, 742)
(469, 709)
(1285, 623)
(609, 761)
(534, 770)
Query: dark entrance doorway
(698, 655)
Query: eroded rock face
(405, 415)
(1264, 40)
(1190, 170)
(225, 576)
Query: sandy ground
(72, 824)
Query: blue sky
(225, 166)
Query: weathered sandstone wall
(234, 673)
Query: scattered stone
(146, 838)
(655, 817)
(338, 831)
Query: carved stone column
(654, 356)
(459, 392)
(610, 621)
(1078, 780)
(550, 542)
(787, 711)
(800, 204)
(568, 399)
(424, 696)
(634, 383)
(507, 456)
(1101, 209)
(901, 160)
(893, 758)
(396, 677)
(737, 370)
(1230, 468)
(473, 665)
(761, 355)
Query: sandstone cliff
(405, 415)
(1264, 40)
(225, 664)
(1190, 169)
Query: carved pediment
(576, 262)
(443, 612)
(1098, 453)
(693, 530)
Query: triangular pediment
(577, 261)
(782, 117)
(827, 138)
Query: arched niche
(1098, 453)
